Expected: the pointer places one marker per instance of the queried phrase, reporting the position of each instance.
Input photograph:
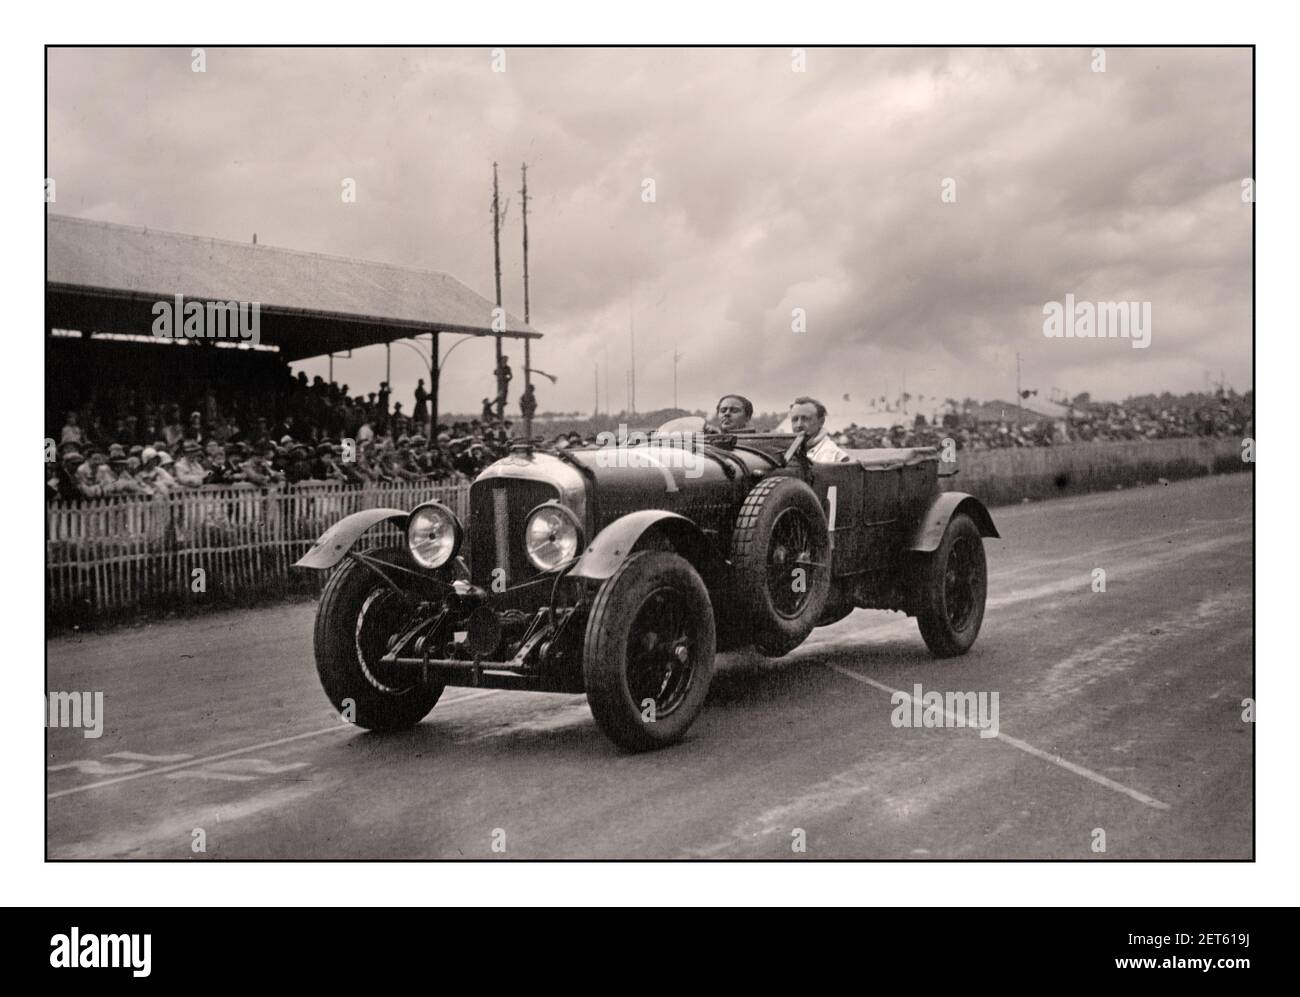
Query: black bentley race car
(620, 571)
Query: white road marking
(211, 774)
(257, 766)
(135, 756)
(1015, 742)
(238, 770)
(92, 766)
(98, 768)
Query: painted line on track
(1015, 742)
(206, 759)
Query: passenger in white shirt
(808, 415)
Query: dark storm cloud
(776, 190)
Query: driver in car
(734, 413)
(808, 415)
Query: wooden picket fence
(107, 557)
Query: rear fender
(335, 542)
(930, 532)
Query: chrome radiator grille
(498, 508)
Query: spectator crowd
(301, 432)
(1225, 414)
(282, 435)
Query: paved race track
(1118, 711)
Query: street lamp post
(435, 372)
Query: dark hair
(745, 403)
(805, 400)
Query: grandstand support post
(434, 373)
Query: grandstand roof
(106, 277)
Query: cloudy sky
(774, 190)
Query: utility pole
(631, 349)
(676, 357)
(528, 360)
(1017, 390)
(524, 194)
(496, 257)
(596, 372)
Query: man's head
(807, 415)
(734, 413)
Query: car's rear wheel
(781, 559)
(358, 614)
(649, 650)
(953, 585)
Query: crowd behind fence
(116, 556)
(107, 556)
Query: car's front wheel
(953, 584)
(649, 649)
(358, 614)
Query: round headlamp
(433, 535)
(552, 536)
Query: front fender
(617, 540)
(335, 542)
(930, 531)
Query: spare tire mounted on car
(781, 560)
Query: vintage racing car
(621, 570)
